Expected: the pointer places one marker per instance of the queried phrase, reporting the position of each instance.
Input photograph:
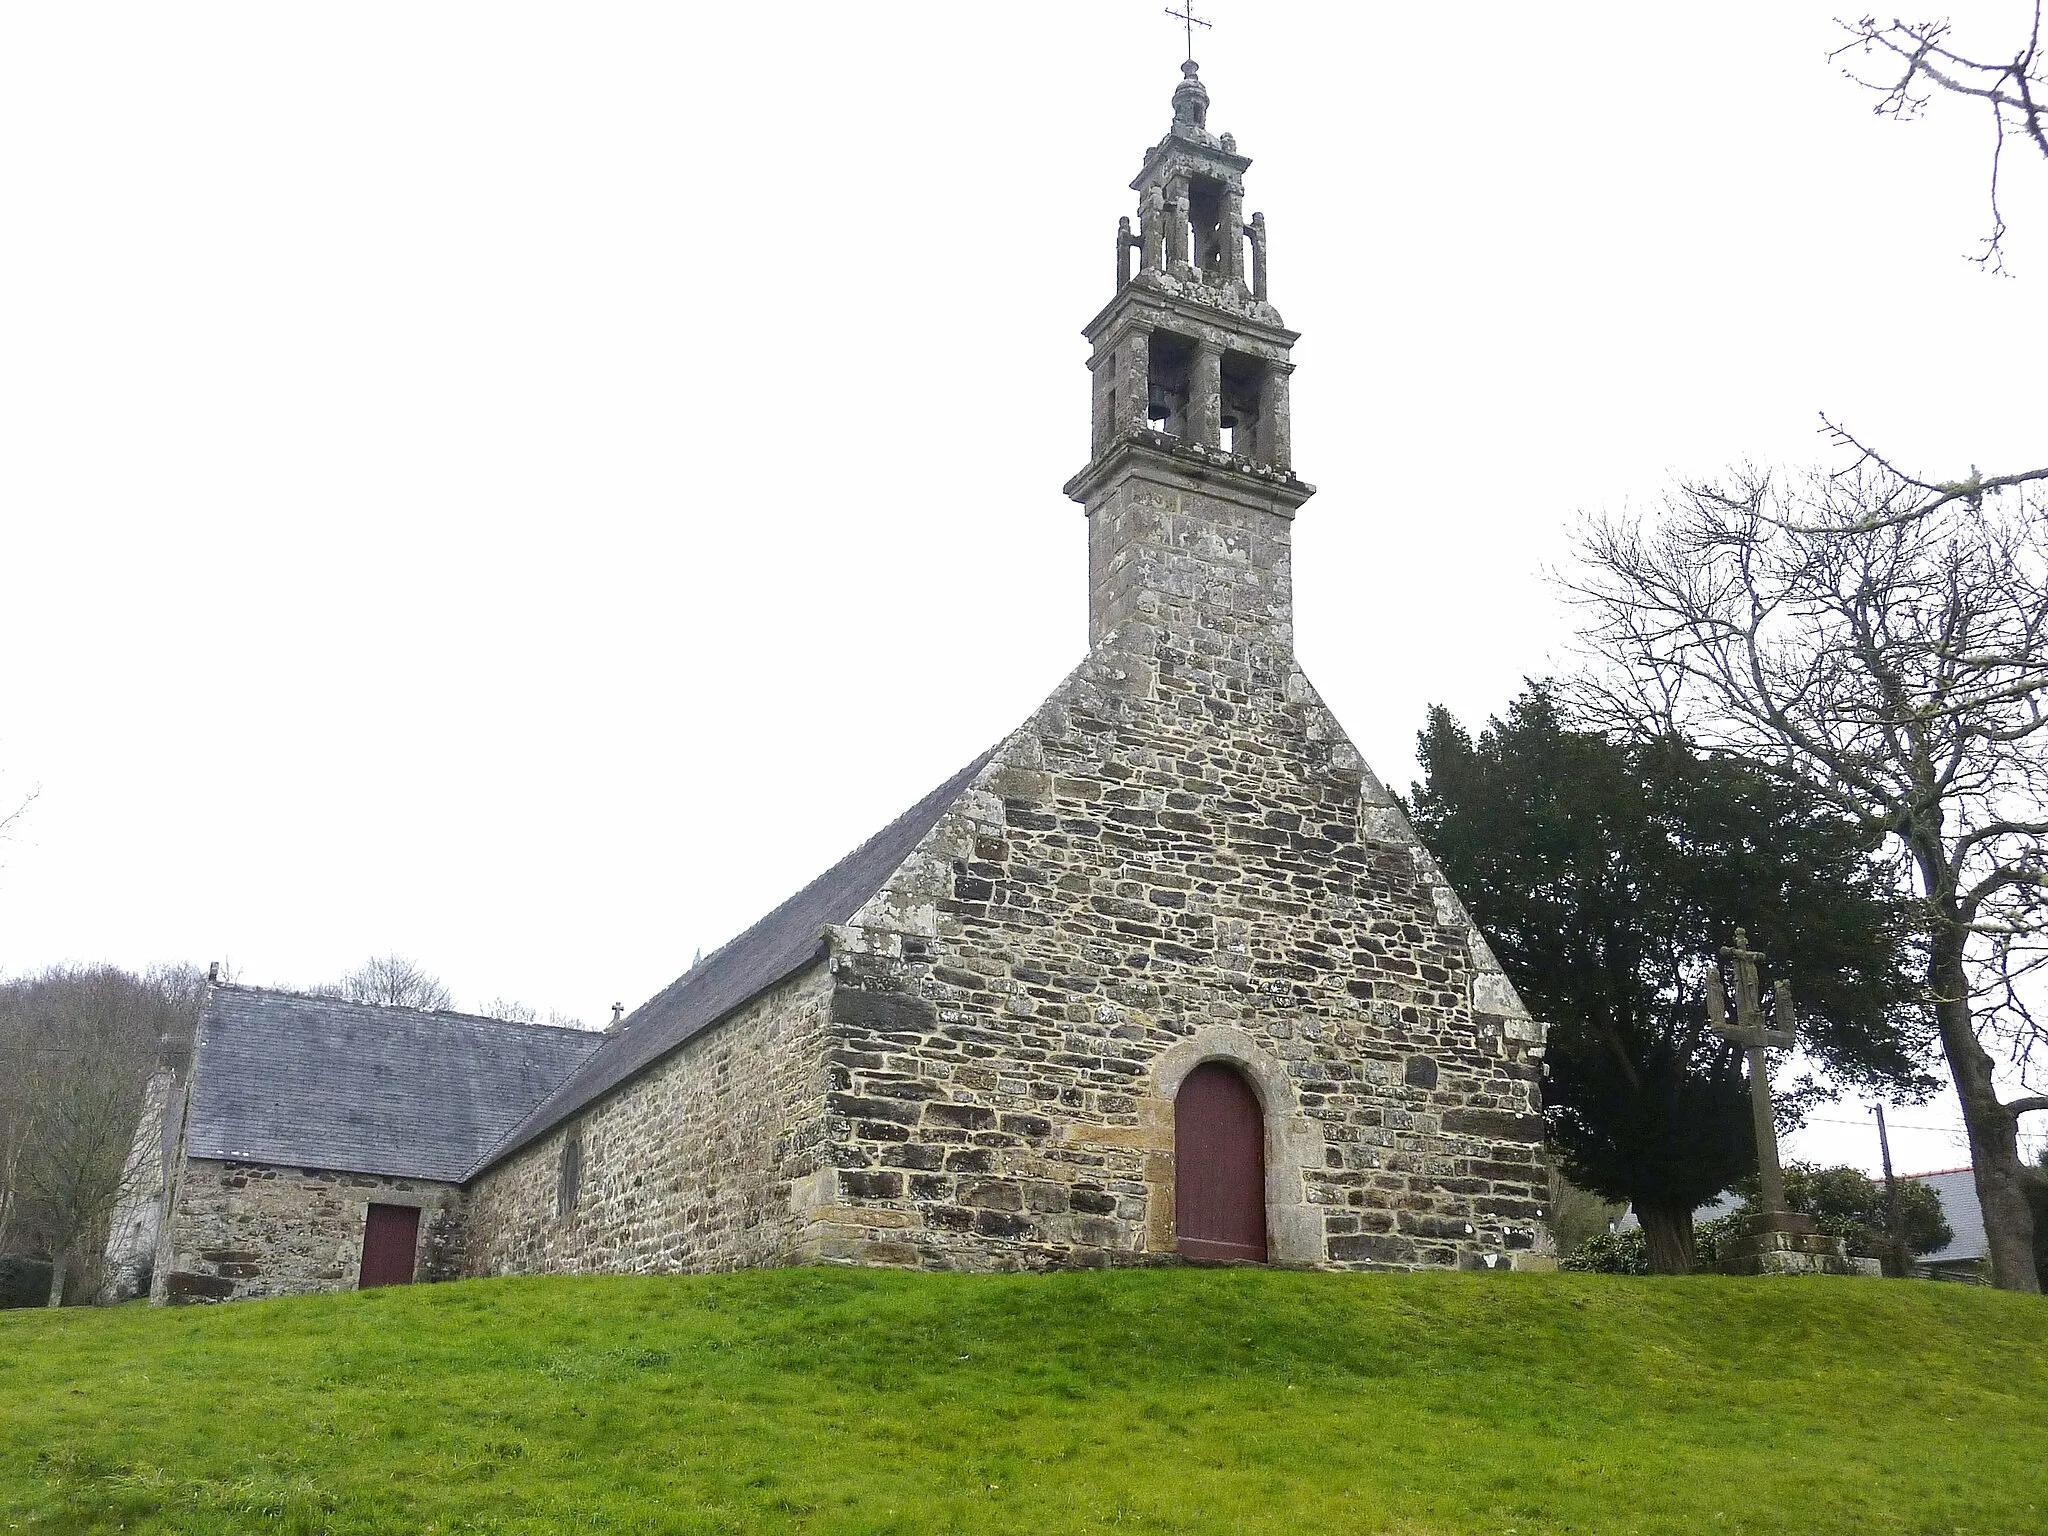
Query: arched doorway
(1219, 1166)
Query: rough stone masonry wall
(254, 1229)
(1179, 858)
(1141, 587)
(703, 1162)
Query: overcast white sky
(528, 487)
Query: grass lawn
(1161, 1400)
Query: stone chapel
(1163, 975)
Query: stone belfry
(1190, 485)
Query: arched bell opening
(1219, 1167)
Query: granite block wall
(241, 1230)
(704, 1162)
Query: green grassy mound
(1163, 1400)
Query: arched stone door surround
(1294, 1228)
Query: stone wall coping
(1178, 149)
(1145, 300)
(1170, 462)
(433, 1193)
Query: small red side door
(391, 1235)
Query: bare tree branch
(18, 812)
(2015, 91)
(1936, 494)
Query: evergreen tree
(1605, 874)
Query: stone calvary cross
(1756, 1035)
(1774, 1240)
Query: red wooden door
(1219, 1166)
(391, 1235)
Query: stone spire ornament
(1191, 98)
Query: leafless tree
(516, 1012)
(393, 981)
(1886, 638)
(18, 1074)
(1905, 63)
(1577, 1214)
(90, 1037)
(16, 814)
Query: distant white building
(1964, 1258)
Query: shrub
(1628, 1253)
(1709, 1236)
(1844, 1203)
(1611, 1253)
(24, 1282)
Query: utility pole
(1891, 1199)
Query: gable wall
(700, 1163)
(243, 1230)
(1180, 858)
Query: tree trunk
(1994, 1130)
(1668, 1235)
(1892, 1257)
(56, 1280)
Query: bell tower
(1190, 487)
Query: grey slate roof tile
(775, 948)
(314, 1082)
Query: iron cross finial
(1187, 17)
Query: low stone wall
(703, 1162)
(252, 1229)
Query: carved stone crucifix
(1755, 1034)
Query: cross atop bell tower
(1190, 485)
(1189, 21)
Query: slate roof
(1956, 1188)
(314, 1082)
(774, 949)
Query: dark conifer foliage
(1605, 874)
